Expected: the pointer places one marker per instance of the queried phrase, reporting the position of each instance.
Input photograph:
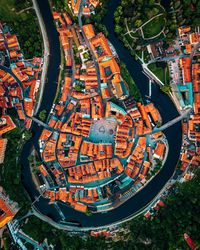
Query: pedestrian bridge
(172, 122)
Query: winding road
(45, 57)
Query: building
(6, 124)
(159, 151)
(6, 209)
(3, 144)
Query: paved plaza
(103, 131)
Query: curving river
(161, 101)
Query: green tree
(138, 23)
(27, 135)
(166, 88)
(42, 115)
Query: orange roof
(22, 77)
(86, 10)
(93, 171)
(147, 215)
(197, 103)
(32, 89)
(159, 151)
(146, 164)
(183, 30)
(49, 151)
(13, 54)
(188, 48)
(59, 108)
(67, 18)
(2, 91)
(6, 124)
(75, 4)
(194, 38)
(63, 194)
(88, 30)
(116, 82)
(195, 76)
(150, 108)
(156, 135)
(65, 89)
(80, 207)
(95, 3)
(64, 39)
(108, 69)
(96, 150)
(3, 143)
(28, 106)
(105, 93)
(187, 176)
(100, 43)
(185, 64)
(43, 170)
(6, 215)
(56, 15)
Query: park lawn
(154, 27)
(128, 40)
(161, 72)
(9, 9)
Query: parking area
(174, 70)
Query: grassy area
(146, 56)
(10, 170)
(22, 22)
(58, 4)
(10, 8)
(129, 80)
(161, 72)
(86, 56)
(154, 27)
(134, 15)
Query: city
(100, 138)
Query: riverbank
(46, 54)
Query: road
(45, 57)
(41, 123)
(150, 74)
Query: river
(161, 101)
